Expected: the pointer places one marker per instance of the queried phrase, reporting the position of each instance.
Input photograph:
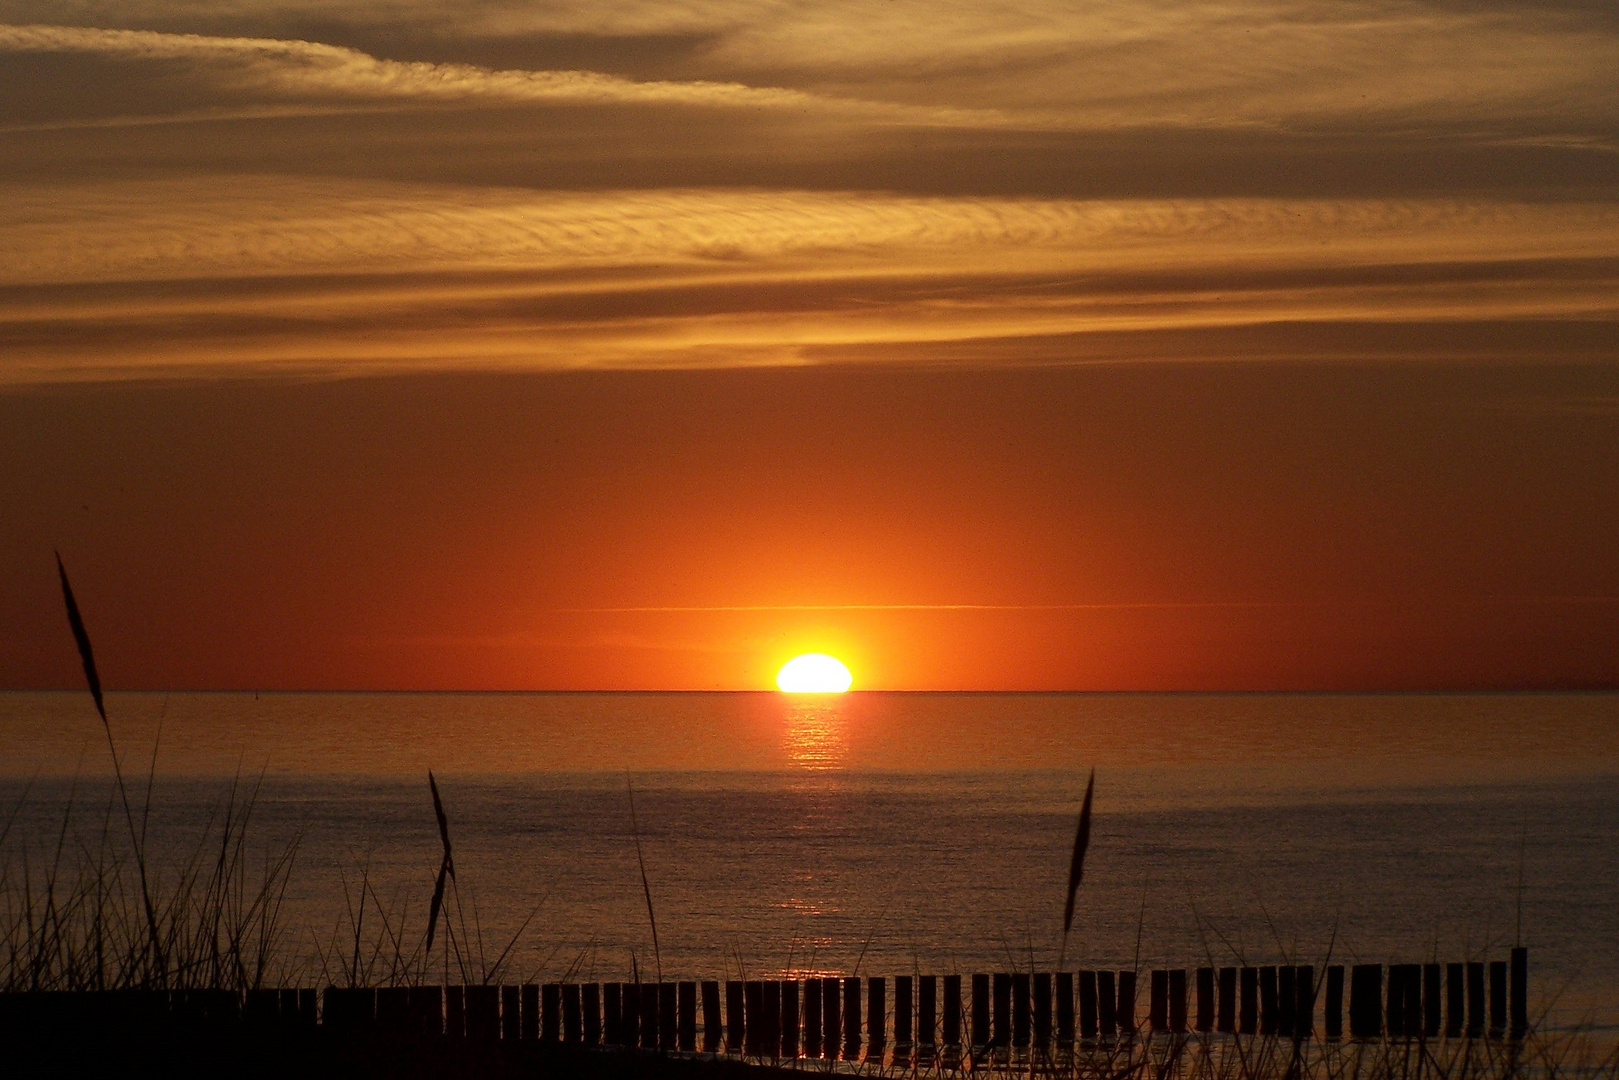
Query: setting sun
(813, 673)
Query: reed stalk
(1076, 866)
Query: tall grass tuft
(1076, 865)
(81, 638)
(446, 867)
(646, 888)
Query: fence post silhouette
(1520, 993)
(903, 1012)
(876, 1018)
(1365, 1001)
(1205, 999)
(1127, 1004)
(1226, 1014)
(953, 1013)
(590, 1003)
(573, 1013)
(1335, 1002)
(713, 1030)
(927, 1012)
(1248, 1016)
(1064, 1018)
(686, 1019)
(851, 1018)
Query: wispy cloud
(273, 226)
(256, 70)
(792, 183)
(336, 277)
(1377, 63)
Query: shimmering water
(896, 832)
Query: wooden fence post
(952, 1012)
(1226, 1015)
(288, 1007)
(980, 1025)
(927, 1013)
(904, 1010)
(668, 1031)
(686, 1019)
(1304, 1011)
(1177, 1000)
(1041, 988)
(1335, 1002)
(832, 1014)
(1432, 1005)
(427, 1010)
(1413, 1001)
(618, 1014)
(1158, 1003)
(551, 1012)
(812, 1017)
(1020, 1010)
(531, 1012)
(770, 1019)
(511, 1013)
(754, 1009)
(1127, 1004)
(611, 1017)
(1267, 1000)
(1248, 1014)
(735, 1030)
(1001, 1024)
(650, 1036)
(1455, 1000)
(483, 1013)
(713, 1029)
(1498, 997)
(455, 1012)
(573, 1014)
(1519, 1025)
(1365, 1001)
(876, 1018)
(1205, 999)
(1064, 995)
(393, 1008)
(789, 1018)
(851, 1018)
(1394, 1018)
(1475, 1000)
(1287, 999)
(591, 1004)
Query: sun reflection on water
(817, 738)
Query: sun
(813, 673)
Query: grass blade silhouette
(446, 867)
(1076, 865)
(81, 637)
(635, 827)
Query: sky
(995, 345)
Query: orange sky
(1018, 346)
(1200, 525)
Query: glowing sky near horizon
(987, 344)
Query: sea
(712, 835)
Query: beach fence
(915, 1022)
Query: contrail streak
(1148, 605)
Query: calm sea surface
(894, 831)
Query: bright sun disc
(813, 673)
